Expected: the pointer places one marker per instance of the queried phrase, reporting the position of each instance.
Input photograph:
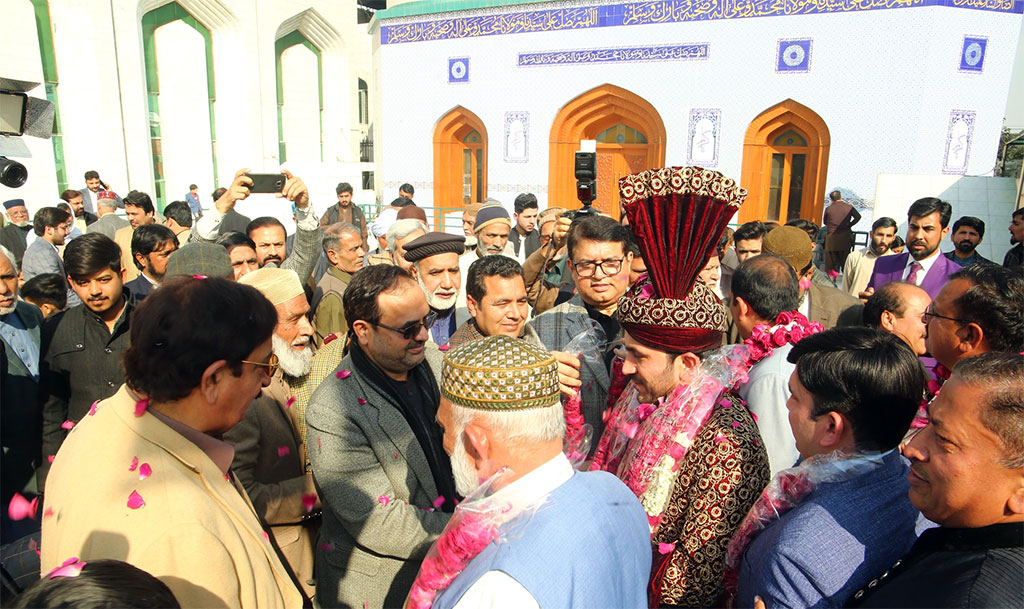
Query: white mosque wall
(888, 83)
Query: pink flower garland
(790, 328)
(573, 407)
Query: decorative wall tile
(958, 141)
(794, 55)
(675, 52)
(517, 137)
(703, 136)
(972, 54)
(458, 69)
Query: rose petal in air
(48, 512)
(92, 409)
(666, 548)
(438, 502)
(290, 402)
(50, 458)
(754, 416)
(445, 347)
(384, 500)
(135, 464)
(20, 508)
(343, 374)
(135, 500)
(283, 450)
(67, 425)
(266, 535)
(308, 501)
(141, 406)
(360, 401)
(145, 471)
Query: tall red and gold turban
(677, 214)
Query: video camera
(586, 185)
(20, 115)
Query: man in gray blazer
(376, 449)
(109, 222)
(41, 256)
(93, 187)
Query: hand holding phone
(267, 182)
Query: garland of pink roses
(455, 548)
(790, 328)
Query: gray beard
(466, 478)
(293, 363)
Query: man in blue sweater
(845, 514)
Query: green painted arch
(152, 20)
(280, 46)
(44, 34)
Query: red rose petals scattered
(666, 548)
(343, 374)
(735, 424)
(309, 501)
(438, 502)
(326, 547)
(135, 500)
(72, 567)
(50, 458)
(67, 425)
(48, 512)
(291, 401)
(319, 443)
(20, 508)
(145, 471)
(361, 401)
(134, 465)
(445, 347)
(384, 500)
(283, 450)
(141, 406)
(92, 409)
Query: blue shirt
(14, 333)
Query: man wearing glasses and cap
(376, 448)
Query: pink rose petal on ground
(135, 500)
(20, 508)
(92, 409)
(135, 464)
(326, 547)
(319, 443)
(145, 471)
(140, 407)
(666, 548)
(445, 347)
(290, 402)
(48, 512)
(735, 424)
(384, 500)
(361, 401)
(283, 450)
(343, 374)
(438, 502)
(67, 425)
(50, 458)
(72, 567)
(308, 501)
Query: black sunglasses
(410, 331)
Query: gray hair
(1001, 375)
(334, 233)
(110, 204)
(10, 257)
(519, 429)
(402, 229)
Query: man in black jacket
(82, 346)
(967, 475)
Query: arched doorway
(630, 138)
(785, 163)
(460, 160)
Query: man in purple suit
(923, 264)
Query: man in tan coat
(139, 210)
(144, 478)
(270, 455)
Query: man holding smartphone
(306, 247)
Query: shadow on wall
(990, 199)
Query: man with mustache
(343, 247)
(14, 235)
(900, 308)
(967, 475)
(923, 264)
(492, 227)
(82, 362)
(376, 448)
(513, 419)
(967, 234)
(496, 301)
(139, 210)
(860, 264)
(435, 266)
(270, 453)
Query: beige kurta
(197, 531)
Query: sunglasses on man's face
(410, 331)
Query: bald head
(763, 287)
(899, 308)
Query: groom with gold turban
(682, 442)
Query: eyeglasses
(588, 268)
(410, 331)
(271, 364)
(930, 312)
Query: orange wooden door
(615, 162)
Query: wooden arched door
(460, 161)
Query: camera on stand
(585, 168)
(20, 115)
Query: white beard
(293, 363)
(438, 304)
(466, 478)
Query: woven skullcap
(278, 285)
(14, 203)
(791, 243)
(106, 194)
(500, 373)
(204, 259)
(432, 244)
(491, 213)
(380, 226)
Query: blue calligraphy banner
(674, 52)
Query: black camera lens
(12, 173)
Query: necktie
(914, 268)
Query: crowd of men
(702, 418)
